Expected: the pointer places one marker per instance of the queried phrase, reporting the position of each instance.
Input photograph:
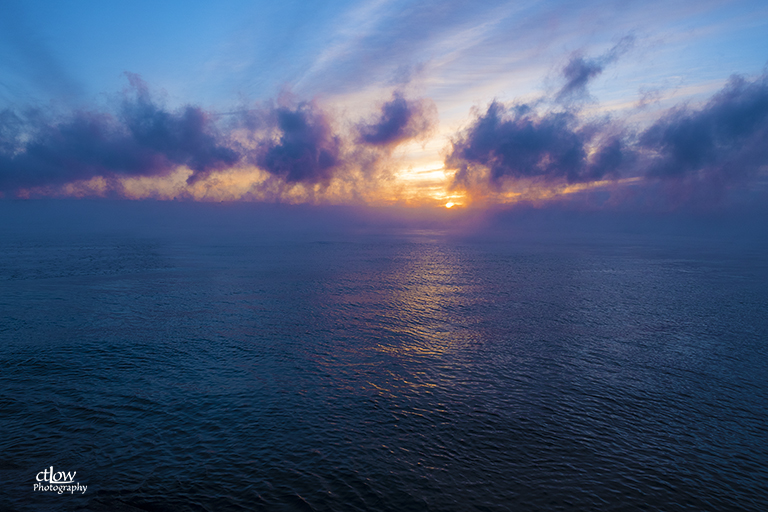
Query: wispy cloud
(32, 62)
(580, 71)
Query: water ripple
(401, 373)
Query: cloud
(694, 156)
(143, 139)
(297, 151)
(577, 73)
(305, 148)
(526, 142)
(302, 143)
(187, 137)
(579, 70)
(294, 146)
(377, 41)
(725, 141)
(518, 143)
(400, 120)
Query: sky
(652, 105)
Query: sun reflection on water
(426, 292)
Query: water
(409, 371)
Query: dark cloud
(688, 153)
(142, 140)
(295, 143)
(400, 120)
(725, 141)
(187, 137)
(695, 157)
(519, 143)
(579, 71)
(611, 157)
(304, 148)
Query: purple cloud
(306, 148)
(142, 140)
(295, 144)
(692, 155)
(400, 120)
(519, 143)
(724, 141)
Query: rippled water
(401, 372)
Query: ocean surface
(412, 370)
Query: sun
(449, 204)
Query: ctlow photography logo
(59, 482)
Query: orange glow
(428, 185)
(480, 192)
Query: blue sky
(347, 60)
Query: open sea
(406, 371)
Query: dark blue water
(412, 371)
